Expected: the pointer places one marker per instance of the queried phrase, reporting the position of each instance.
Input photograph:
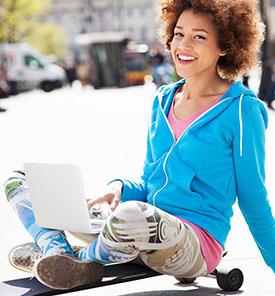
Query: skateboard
(113, 274)
(228, 280)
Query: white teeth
(186, 58)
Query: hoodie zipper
(175, 142)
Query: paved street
(104, 132)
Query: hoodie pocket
(180, 181)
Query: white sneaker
(23, 256)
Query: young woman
(205, 149)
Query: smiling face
(194, 47)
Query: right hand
(110, 195)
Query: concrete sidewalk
(70, 126)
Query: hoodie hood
(236, 92)
(238, 89)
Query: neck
(195, 88)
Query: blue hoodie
(219, 158)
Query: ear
(222, 53)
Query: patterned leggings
(163, 242)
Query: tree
(20, 21)
(48, 39)
(17, 18)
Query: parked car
(4, 86)
(28, 69)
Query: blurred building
(271, 12)
(137, 17)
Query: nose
(185, 43)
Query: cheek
(212, 52)
(173, 49)
(214, 49)
(172, 46)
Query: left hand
(110, 195)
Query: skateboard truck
(228, 280)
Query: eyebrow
(195, 29)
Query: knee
(133, 210)
(130, 223)
(14, 184)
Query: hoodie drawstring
(241, 125)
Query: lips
(185, 58)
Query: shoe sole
(63, 272)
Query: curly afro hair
(238, 24)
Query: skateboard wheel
(186, 280)
(230, 280)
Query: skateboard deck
(113, 274)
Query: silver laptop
(58, 197)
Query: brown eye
(199, 37)
(178, 34)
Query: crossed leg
(163, 242)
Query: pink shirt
(211, 249)
(179, 126)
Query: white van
(27, 69)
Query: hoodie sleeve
(249, 157)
